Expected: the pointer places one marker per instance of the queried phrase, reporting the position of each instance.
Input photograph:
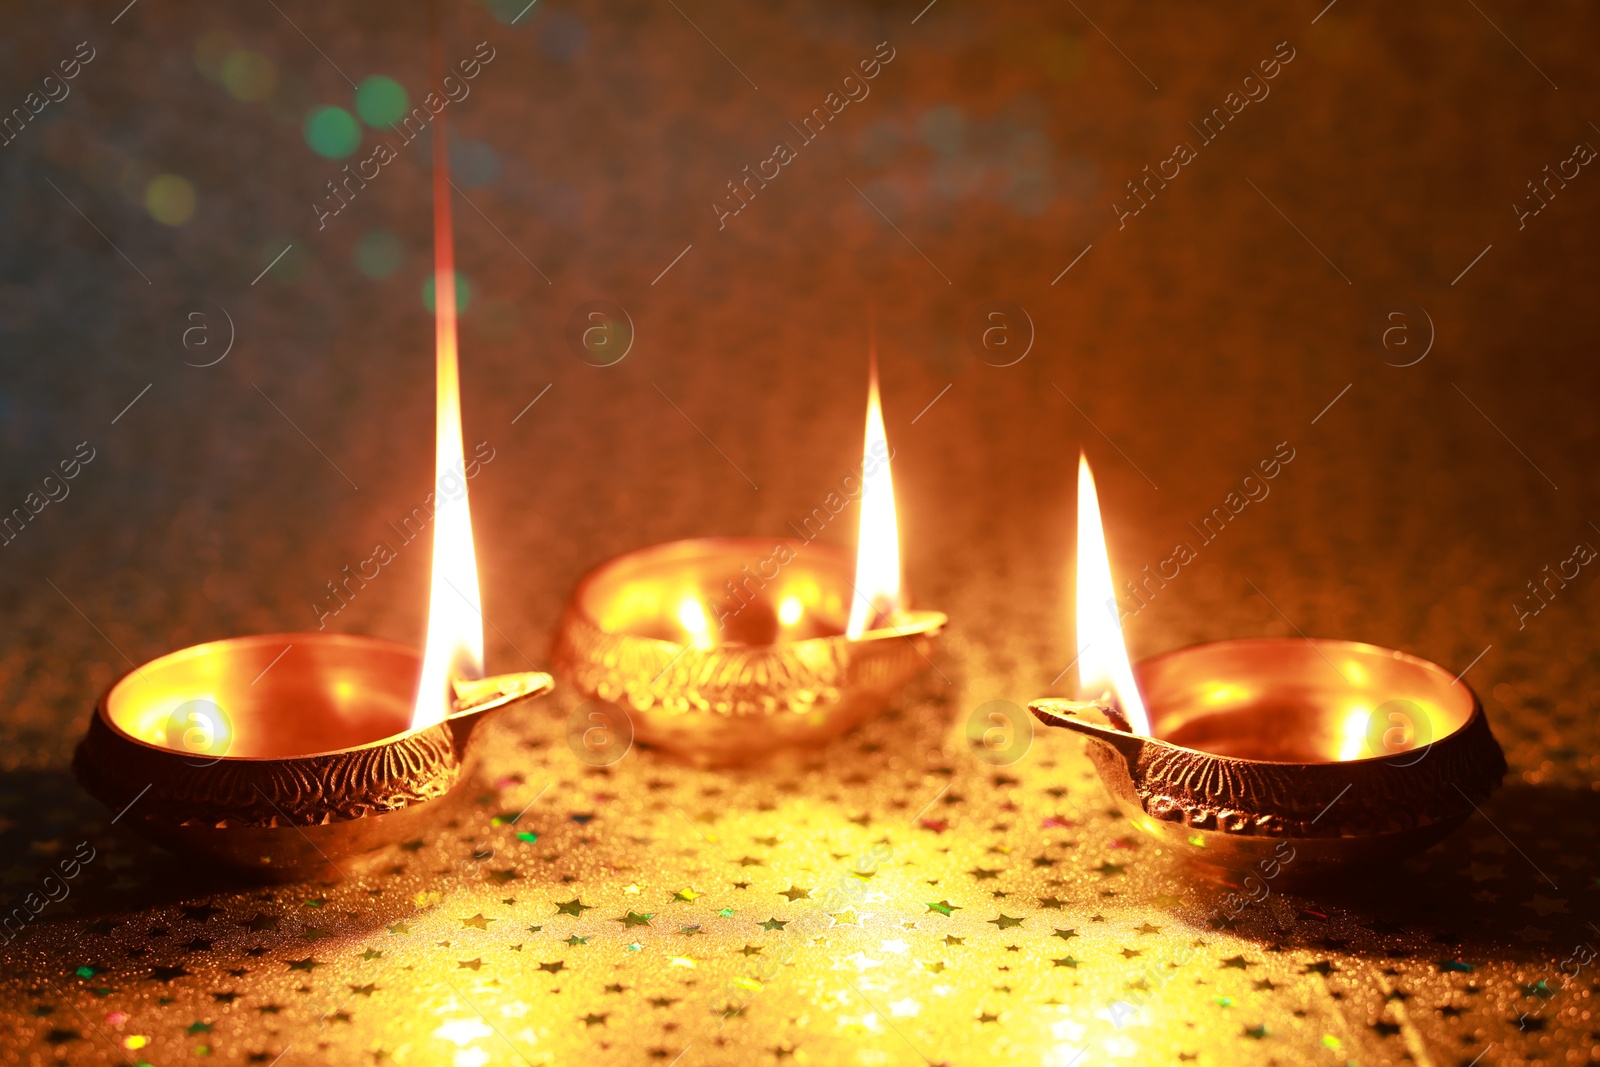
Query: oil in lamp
(1295, 759)
(283, 755)
(721, 650)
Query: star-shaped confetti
(943, 907)
(573, 907)
(634, 918)
(1005, 922)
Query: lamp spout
(476, 698)
(1079, 716)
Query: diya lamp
(721, 650)
(1297, 758)
(282, 755)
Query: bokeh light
(332, 132)
(463, 293)
(562, 36)
(211, 51)
(380, 100)
(510, 11)
(379, 254)
(475, 164)
(170, 199)
(248, 76)
(287, 268)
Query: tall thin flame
(1103, 666)
(878, 547)
(454, 647)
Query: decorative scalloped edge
(301, 791)
(1244, 797)
(798, 678)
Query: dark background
(1179, 351)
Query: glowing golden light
(1103, 666)
(692, 617)
(790, 608)
(454, 647)
(462, 1032)
(1353, 732)
(878, 548)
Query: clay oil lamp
(1295, 759)
(722, 650)
(285, 756)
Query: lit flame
(878, 548)
(1103, 666)
(454, 648)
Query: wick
(1111, 707)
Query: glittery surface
(892, 900)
